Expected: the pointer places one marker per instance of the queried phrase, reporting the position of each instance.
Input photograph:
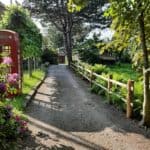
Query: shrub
(99, 69)
(49, 56)
(97, 89)
(8, 81)
(88, 52)
(12, 127)
(119, 77)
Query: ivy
(18, 19)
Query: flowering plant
(12, 83)
(12, 127)
(7, 61)
(8, 82)
(13, 78)
(2, 90)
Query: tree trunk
(29, 67)
(68, 36)
(146, 103)
(68, 46)
(34, 60)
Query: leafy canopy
(76, 5)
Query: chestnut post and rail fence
(146, 73)
(92, 76)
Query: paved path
(64, 115)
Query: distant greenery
(88, 52)
(49, 56)
(99, 69)
(121, 71)
(54, 39)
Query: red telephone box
(10, 46)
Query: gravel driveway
(64, 115)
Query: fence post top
(110, 75)
(146, 70)
(131, 81)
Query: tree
(18, 19)
(88, 51)
(77, 5)
(56, 12)
(53, 39)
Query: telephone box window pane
(5, 50)
(1, 49)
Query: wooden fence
(92, 76)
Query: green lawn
(124, 71)
(28, 84)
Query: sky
(7, 2)
(105, 34)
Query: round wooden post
(130, 92)
(109, 86)
(78, 67)
(83, 71)
(91, 77)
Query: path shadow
(32, 143)
(47, 129)
(55, 111)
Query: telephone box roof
(6, 30)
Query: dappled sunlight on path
(57, 135)
(64, 112)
